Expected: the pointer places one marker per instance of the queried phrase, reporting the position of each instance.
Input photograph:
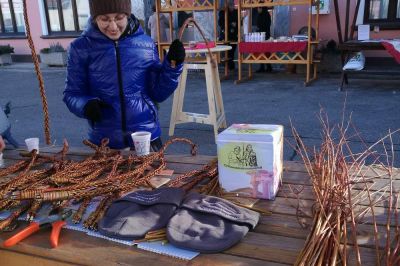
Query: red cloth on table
(272, 47)
(202, 45)
(393, 48)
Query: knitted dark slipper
(209, 224)
(139, 212)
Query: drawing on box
(235, 158)
(242, 157)
(250, 157)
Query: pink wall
(327, 28)
(21, 46)
(327, 23)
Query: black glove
(176, 52)
(92, 110)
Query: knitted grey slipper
(139, 212)
(209, 224)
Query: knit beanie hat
(102, 7)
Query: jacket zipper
(121, 93)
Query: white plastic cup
(32, 144)
(141, 140)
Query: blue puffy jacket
(126, 75)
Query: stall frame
(282, 57)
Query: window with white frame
(383, 13)
(11, 18)
(66, 16)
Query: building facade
(384, 14)
(60, 21)
(51, 21)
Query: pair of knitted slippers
(195, 222)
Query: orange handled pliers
(56, 221)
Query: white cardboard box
(250, 159)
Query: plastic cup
(141, 140)
(32, 144)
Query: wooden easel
(216, 116)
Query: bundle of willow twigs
(334, 171)
(28, 184)
(329, 175)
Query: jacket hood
(133, 28)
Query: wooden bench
(374, 67)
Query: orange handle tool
(32, 228)
(55, 233)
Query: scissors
(56, 221)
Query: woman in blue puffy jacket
(114, 76)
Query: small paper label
(159, 181)
(363, 32)
(166, 172)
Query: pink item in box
(263, 178)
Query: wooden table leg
(177, 103)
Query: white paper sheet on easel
(363, 32)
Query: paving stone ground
(270, 98)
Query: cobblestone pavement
(270, 98)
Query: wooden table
(276, 240)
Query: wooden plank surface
(355, 45)
(275, 241)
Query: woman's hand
(93, 108)
(176, 52)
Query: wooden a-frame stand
(216, 116)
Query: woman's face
(112, 25)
